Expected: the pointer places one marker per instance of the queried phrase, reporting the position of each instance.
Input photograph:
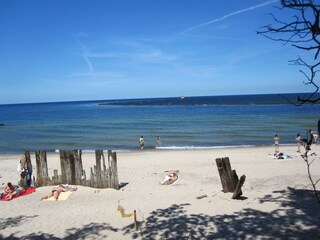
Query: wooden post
(226, 176)
(72, 170)
(237, 192)
(135, 219)
(78, 166)
(234, 178)
(71, 166)
(113, 169)
(42, 168)
(105, 175)
(56, 179)
(64, 165)
(99, 154)
(229, 178)
(92, 178)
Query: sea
(204, 122)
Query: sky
(58, 50)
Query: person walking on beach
(276, 143)
(141, 142)
(158, 143)
(310, 140)
(298, 141)
(315, 137)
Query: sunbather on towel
(11, 190)
(55, 192)
(171, 178)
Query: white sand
(277, 202)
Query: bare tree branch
(303, 33)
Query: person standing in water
(159, 142)
(141, 142)
(298, 141)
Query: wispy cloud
(137, 52)
(85, 53)
(228, 15)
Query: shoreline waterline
(157, 149)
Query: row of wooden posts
(102, 175)
(105, 173)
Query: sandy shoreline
(277, 199)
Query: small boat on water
(181, 97)
(1, 124)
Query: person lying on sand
(55, 192)
(171, 178)
(281, 156)
(12, 190)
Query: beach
(277, 201)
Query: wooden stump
(237, 192)
(42, 168)
(229, 178)
(71, 166)
(98, 170)
(112, 162)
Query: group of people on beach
(25, 169)
(158, 142)
(12, 190)
(26, 181)
(312, 137)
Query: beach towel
(26, 192)
(62, 197)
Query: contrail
(86, 57)
(230, 14)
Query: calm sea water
(192, 122)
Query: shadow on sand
(297, 217)
(89, 231)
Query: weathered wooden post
(71, 166)
(99, 181)
(42, 169)
(237, 192)
(56, 179)
(66, 167)
(226, 175)
(72, 170)
(113, 168)
(105, 173)
(78, 166)
(229, 178)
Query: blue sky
(113, 49)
